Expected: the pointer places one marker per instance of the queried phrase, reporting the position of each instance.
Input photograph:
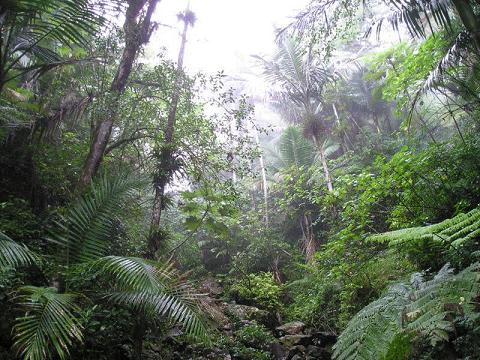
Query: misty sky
(227, 32)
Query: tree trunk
(264, 178)
(309, 244)
(167, 151)
(137, 33)
(469, 20)
(323, 159)
(139, 330)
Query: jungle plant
(256, 336)
(52, 324)
(260, 290)
(423, 308)
(29, 29)
(13, 254)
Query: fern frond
(371, 330)
(455, 231)
(424, 308)
(446, 294)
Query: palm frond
(86, 229)
(67, 21)
(13, 254)
(50, 324)
(418, 16)
(295, 150)
(153, 288)
(32, 30)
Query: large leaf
(295, 150)
(153, 288)
(13, 254)
(50, 324)
(86, 230)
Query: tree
(137, 28)
(295, 154)
(167, 164)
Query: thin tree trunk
(167, 151)
(309, 244)
(139, 330)
(137, 33)
(323, 159)
(326, 171)
(264, 178)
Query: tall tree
(167, 164)
(138, 28)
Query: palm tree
(52, 322)
(14, 255)
(301, 79)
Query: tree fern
(422, 308)
(456, 231)
(86, 229)
(50, 324)
(13, 254)
(446, 294)
(370, 332)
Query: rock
(211, 287)
(278, 351)
(297, 357)
(215, 311)
(299, 349)
(291, 328)
(315, 352)
(290, 341)
(246, 313)
(324, 339)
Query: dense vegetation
(148, 213)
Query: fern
(446, 295)
(423, 308)
(455, 232)
(371, 330)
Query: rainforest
(239, 180)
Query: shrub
(256, 336)
(259, 290)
